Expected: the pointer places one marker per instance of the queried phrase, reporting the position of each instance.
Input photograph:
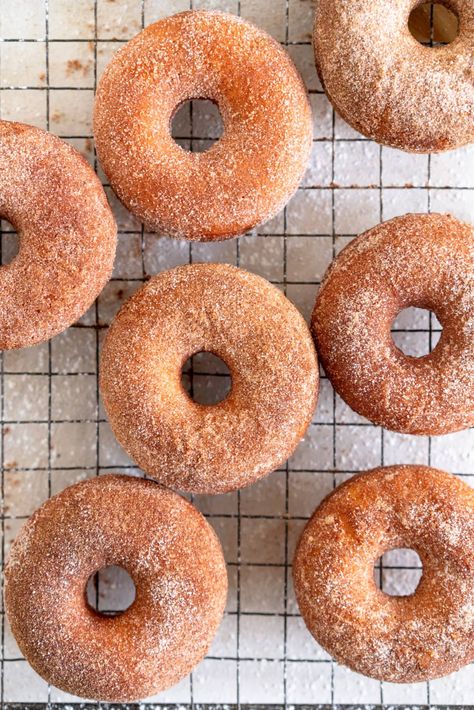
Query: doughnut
(174, 559)
(67, 234)
(387, 85)
(400, 639)
(264, 341)
(424, 261)
(250, 173)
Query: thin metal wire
(2, 448)
(334, 401)
(430, 326)
(239, 512)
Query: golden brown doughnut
(264, 341)
(174, 559)
(250, 173)
(416, 260)
(387, 85)
(401, 639)
(56, 203)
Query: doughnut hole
(10, 242)
(398, 572)
(206, 378)
(433, 24)
(110, 591)
(416, 332)
(197, 125)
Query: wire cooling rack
(54, 430)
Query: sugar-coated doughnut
(386, 84)
(401, 639)
(250, 173)
(174, 559)
(67, 233)
(264, 341)
(425, 261)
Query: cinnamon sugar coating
(67, 233)
(420, 260)
(264, 341)
(387, 85)
(256, 166)
(401, 639)
(174, 559)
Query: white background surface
(54, 429)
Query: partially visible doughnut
(250, 173)
(174, 559)
(264, 341)
(416, 260)
(67, 233)
(387, 85)
(400, 639)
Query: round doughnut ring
(400, 639)
(425, 261)
(250, 173)
(264, 341)
(56, 203)
(386, 84)
(174, 559)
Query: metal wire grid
(98, 326)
